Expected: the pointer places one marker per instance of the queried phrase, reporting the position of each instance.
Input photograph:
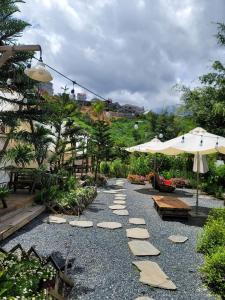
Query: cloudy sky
(133, 51)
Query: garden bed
(71, 202)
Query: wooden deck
(171, 206)
(20, 211)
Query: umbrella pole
(154, 169)
(197, 193)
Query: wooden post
(9, 51)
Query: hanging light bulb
(9, 81)
(73, 92)
(38, 72)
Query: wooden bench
(171, 207)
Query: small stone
(57, 220)
(121, 212)
(153, 275)
(178, 238)
(117, 207)
(137, 233)
(109, 225)
(84, 224)
(119, 202)
(137, 221)
(142, 248)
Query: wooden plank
(173, 203)
(21, 219)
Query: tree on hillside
(206, 104)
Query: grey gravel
(103, 263)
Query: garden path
(103, 266)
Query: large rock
(178, 238)
(121, 212)
(84, 224)
(153, 275)
(117, 206)
(137, 221)
(137, 233)
(142, 248)
(109, 225)
(56, 219)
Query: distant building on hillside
(81, 96)
(46, 87)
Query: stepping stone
(137, 233)
(144, 298)
(117, 206)
(57, 220)
(153, 275)
(121, 212)
(109, 225)
(113, 191)
(137, 221)
(84, 224)
(119, 202)
(142, 248)
(178, 238)
(120, 195)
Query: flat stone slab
(137, 221)
(178, 238)
(142, 248)
(120, 198)
(119, 202)
(120, 195)
(56, 219)
(121, 212)
(153, 275)
(144, 298)
(109, 225)
(84, 224)
(137, 233)
(118, 191)
(117, 206)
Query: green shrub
(212, 236)
(213, 271)
(216, 214)
(141, 164)
(118, 169)
(105, 167)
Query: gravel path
(103, 266)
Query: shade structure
(198, 142)
(149, 147)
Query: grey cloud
(134, 51)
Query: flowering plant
(24, 278)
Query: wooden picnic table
(168, 206)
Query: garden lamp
(38, 72)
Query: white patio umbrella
(203, 165)
(149, 147)
(198, 142)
